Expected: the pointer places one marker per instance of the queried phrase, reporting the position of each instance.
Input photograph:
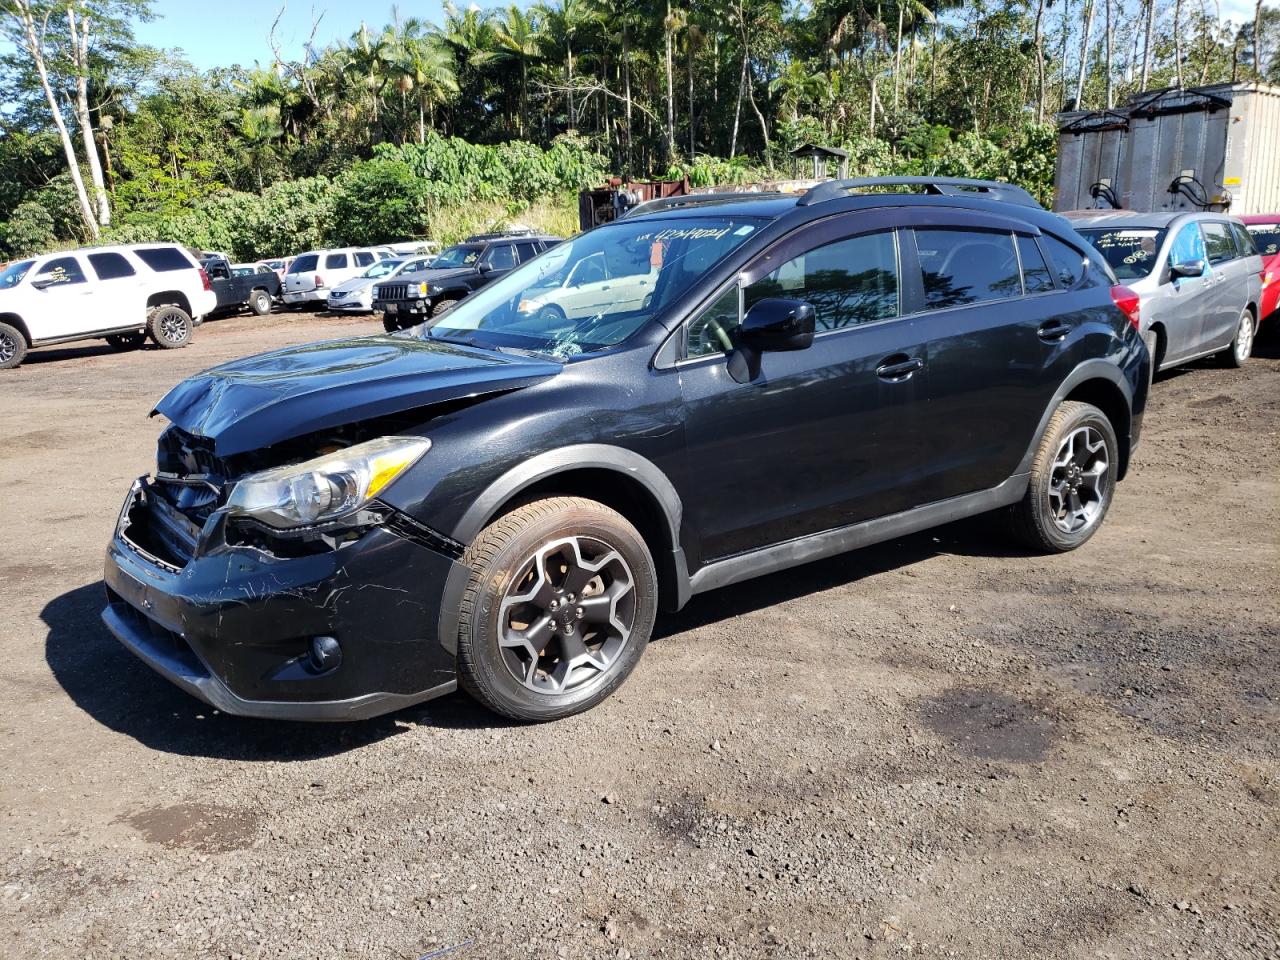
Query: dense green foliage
(421, 130)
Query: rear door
(1230, 290)
(1000, 335)
(119, 299)
(822, 437)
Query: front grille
(190, 484)
(393, 291)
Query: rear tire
(126, 341)
(13, 346)
(260, 303)
(1242, 343)
(558, 609)
(169, 327)
(1073, 479)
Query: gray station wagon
(1199, 277)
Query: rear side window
(1066, 261)
(164, 259)
(305, 263)
(110, 266)
(527, 251)
(967, 266)
(364, 259)
(336, 261)
(60, 271)
(848, 282)
(1218, 242)
(501, 256)
(1244, 242)
(1036, 277)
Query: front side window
(1188, 245)
(1133, 252)
(110, 266)
(14, 273)
(543, 307)
(1218, 242)
(382, 268)
(336, 261)
(61, 271)
(1265, 235)
(967, 266)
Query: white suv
(313, 273)
(121, 294)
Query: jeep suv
(503, 498)
(122, 294)
(454, 274)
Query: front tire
(260, 303)
(13, 346)
(441, 307)
(1073, 479)
(391, 322)
(1242, 343)
(169, 327)
(558, 609)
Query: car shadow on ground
(120, 692)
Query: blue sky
(235, 31)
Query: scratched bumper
(234, 627)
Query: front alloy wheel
(558, 608)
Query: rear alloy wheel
(558, 610)
(13, 346)
(127, 341)
(1073, 478)
(260, 303)
(1242, 345)
(169, 327)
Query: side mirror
(1187, 268)
(483, 267)
(772, 324)
(43, 283)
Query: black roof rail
(939, 186)
(693, 199)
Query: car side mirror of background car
(42, 283)
(772, 324)
(1187, 268)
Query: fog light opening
(326, 654)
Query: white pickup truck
(122, 294)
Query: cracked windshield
(594, 291)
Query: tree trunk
(1146, 44)
(1107, 53)
(671, 97)
(626, 86)
(573, 121)
(897, 62)
(422, 120)
(737, 110)
(80, 55)
(1039, 42)
(34, 44)
(1177, 40)
(1084, 52)
(1257, 40)
(693, 129)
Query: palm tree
(563, 29)
(517, 37)
(425, 64)
(258, 129)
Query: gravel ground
(937, 747)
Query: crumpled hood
(251, 403)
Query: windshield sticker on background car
(1266, 236)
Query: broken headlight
(327, 487)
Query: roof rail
(939, 186)
(693, 199)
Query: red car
(1265, 228)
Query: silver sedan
(356, 295)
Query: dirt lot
(937, 747)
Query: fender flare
(1095, 369)
(598, 456)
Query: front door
(822, 437)
(1181, 304)
(63, 297)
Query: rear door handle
(1053, 331)
(898, 367)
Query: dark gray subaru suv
(706, 390)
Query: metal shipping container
(1214, 147)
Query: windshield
(1265, 235)
(14, 273)
(1131, 252)
(305, 263)
(462, 255)
(593, 291)
(381, 269)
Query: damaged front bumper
(235, 625)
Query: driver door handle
(1053, 330)
(899, 367)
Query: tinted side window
(1187, 245)
(164, 259)
(305, 263)
(501, 256)
(1036, 277)
(61, 271)
(110, 266)
(364, 259)
(848, 282)
(1066, 261)
(336, 261)
(967, 266)
(527, 251)
(711, 332)
(1244, 241)
(1218, 242)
